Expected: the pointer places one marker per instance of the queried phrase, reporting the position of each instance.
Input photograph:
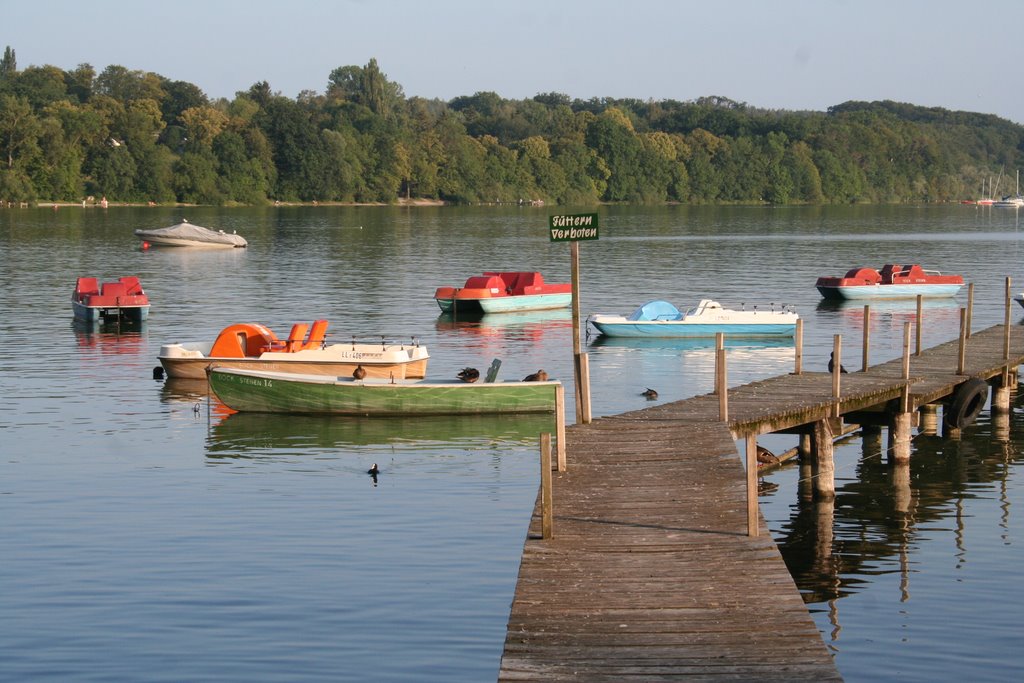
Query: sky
(772, 54)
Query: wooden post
(837, 355)
(719, 345)
(546, 498)
(917, 330)
(799, 356)
(970, 307)
(1006, 324)
(751, 485)
(900, 436)
(584, 361)
(721, 378)
(962, 351)
(823, 465)
(582, 392)
(905, 398)
(867, 338)
(560, 426)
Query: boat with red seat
(255, 347)
(892, 282)
(497, 292)
(122, 299)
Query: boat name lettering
(256, 381)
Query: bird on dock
(650, 394)
(359, 372)
(539, 376)
(832, 363)
(469, 374)
(766, 457)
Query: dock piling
(751, 453)
(867, 338)
(547, 499)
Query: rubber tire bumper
(968, 401)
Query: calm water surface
(145, 535)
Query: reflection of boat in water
(117, 336)
(242, 432)
(533, 322)
(181, 390)
(192, 392)
(693, 344)
(897, 309)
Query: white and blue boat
(708, 318)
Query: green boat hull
(276, 392)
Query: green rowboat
(280, 392)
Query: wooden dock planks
(650, 574)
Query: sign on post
(572, 228)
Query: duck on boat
(186, 234)
(122, 299)
(894, 281)
(661, 319)
(498, 292)
(305, 350)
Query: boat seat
(132, 285)
(87, 285)
(296, 337)
(492, 372)
(317, 334)
(889, 270)
(114, 289)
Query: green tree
(19, 132)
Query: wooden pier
(652, 571)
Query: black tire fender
(968, 401)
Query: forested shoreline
(137, 137)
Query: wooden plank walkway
(650, 574)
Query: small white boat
(662, 319)
(185, 234)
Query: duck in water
(650, 394)
(469, 374)
(359, 372)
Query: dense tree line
(136, 136)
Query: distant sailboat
(1015, 201)
(986, 200)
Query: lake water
(145, 535)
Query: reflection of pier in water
(882, 510)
